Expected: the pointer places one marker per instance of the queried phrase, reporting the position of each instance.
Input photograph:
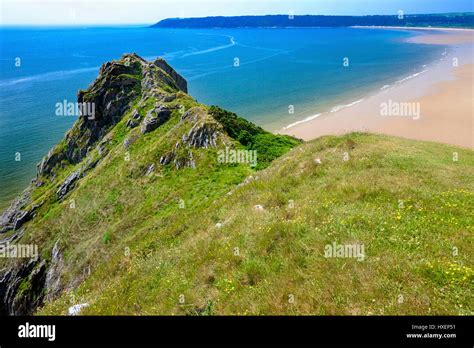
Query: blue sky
(56, 12)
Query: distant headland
(448, 20)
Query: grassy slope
(116, 206)
(180, 262)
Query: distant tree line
(458, 20)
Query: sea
(271, 76)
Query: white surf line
(412, 28)
(345, 106)
(412, 76)
(444, 55)
(334, 109)
(309, 118)
(340, 107)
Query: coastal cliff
(131, 99)
(154, 203)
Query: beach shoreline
(442, 92)
(413, 28)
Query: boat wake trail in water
(208, 72)
(54, 75)
(212, 49)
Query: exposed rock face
(130, 81)
(134, 121)
(150, 169)
(204, 131)
(48, 162)
(167, 158)
(76, 309)
(17, 214)
(53, 275)
(155, 118)
(202, 135)
(68, 184)
(180, 81)
(193, 114)
(118, 84)
(24, 284)
(21, 287)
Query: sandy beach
(435, 105)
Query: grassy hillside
(110, 184)
(134, 214)
(408, 202)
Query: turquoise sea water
(277, 70)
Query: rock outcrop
(17, 214)
(110, 96)
(142, 121)
(68, 184)
(204, 130)
(53, 275)
(21, 287)
(25, 284)
(155, 118)
(179, 80)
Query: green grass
(190, 241)
(268, 146)
(406, 201)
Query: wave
(340, 107)
(334, 109)
(302, 121)
(412, 76)
(54, 75)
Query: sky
(77, 12)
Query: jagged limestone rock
(155, 118)
(150, 169)
(202, 135)
(113, 91)
(118, 84)
(17, 214)
(179, 80)
(68, 184)
(27, 276)
(204, 131)
(53, 275)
